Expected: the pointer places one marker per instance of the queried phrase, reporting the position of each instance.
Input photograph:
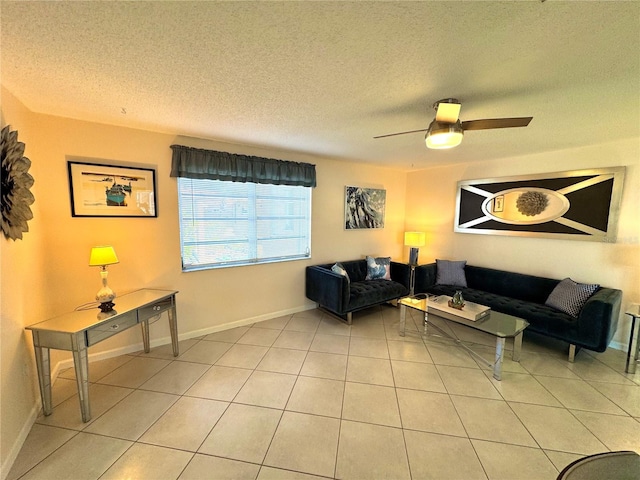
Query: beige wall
(21, 298)
(431, 196)
(47, 273)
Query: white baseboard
(116, 352)
(619, 346)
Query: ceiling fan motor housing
(441, 135)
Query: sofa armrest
(327, 288)
(425, 277)
(598, 319)
(401, 273)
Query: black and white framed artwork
(576, 205)
(364, 207)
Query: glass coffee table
(500, 325)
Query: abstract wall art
(575, 205)
(364, 208)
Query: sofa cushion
(451, 273)
(372, 292)
(570, 296)
(378, 268)
(340, 270)
(539, 316)
(525, 287)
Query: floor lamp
(414, 240)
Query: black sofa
(524, 296)
(333, 292)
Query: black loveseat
(524, 296)
(342, 296)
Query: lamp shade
(414, 239)
(444, 135)
(102, 255)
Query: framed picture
(574, 205)
(111, 191)
(364, 208)
(498, 203)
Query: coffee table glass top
(496, 323)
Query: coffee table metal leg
(403, 317)
(517, 347)
(497, 365)
(634, 346)
(426, 322)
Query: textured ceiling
(325, 77)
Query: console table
(78, 330)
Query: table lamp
(414, 240)
(101, 257)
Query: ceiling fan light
(444, 135)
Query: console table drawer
(106, 330)
(155, 309)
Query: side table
(634, 342)
(78, 330)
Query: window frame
(253, 218)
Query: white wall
(431, 196)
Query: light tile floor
(306, 396)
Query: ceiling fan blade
(448, 111)
(488, 123)
(402, 133)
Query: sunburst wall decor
(16, 183)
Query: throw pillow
(451, 273)
(569, 296)
(339, 269)
(378, 268)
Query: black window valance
(209, 164)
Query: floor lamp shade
(414, 240)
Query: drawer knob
(115, 326)
(156, 308)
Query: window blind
(226, 223)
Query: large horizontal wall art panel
(576, 205)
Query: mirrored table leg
(497, 365)
(517, 347)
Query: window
(226, 223)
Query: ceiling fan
(446, 130)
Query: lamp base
(413, 256)
(106, 306)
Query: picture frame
(498, 205)
(572, 205)
(364, 208)
(101, 190)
